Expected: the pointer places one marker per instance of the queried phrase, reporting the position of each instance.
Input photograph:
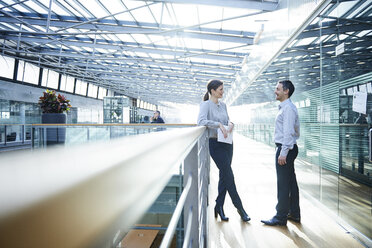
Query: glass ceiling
(155, 50)
(342, 21)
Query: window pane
(31, 74)
(50, 79)
(44, 77)
(363, 88)
(7, 67)
(81, 88)
(350, 91)
(110, 93)
(63, 83)
(67, 83)
(92, 91)
(70, 84)
(101, 92)
(21, 67)
(369, 87)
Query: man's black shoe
(274, 222)
(294, 218)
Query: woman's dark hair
(212, 84)
(288, 85)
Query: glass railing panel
(2, 134)
(27, 132)
(15, 134)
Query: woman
(213, 114)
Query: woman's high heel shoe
(219, 211)
(243, 215)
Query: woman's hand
(231, 127)
(224, 131)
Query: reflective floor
(255, 177)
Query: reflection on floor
(255, 176)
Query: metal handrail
(101, 124)
(86, 196)
(186, 241)
(176, 215)
(115, 124)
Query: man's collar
(285, 102)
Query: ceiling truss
(131, 55)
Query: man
(156, 118)
(287, 131)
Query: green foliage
(51, 103)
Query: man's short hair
(157, 111)
(288, 85)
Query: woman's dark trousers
(221, 154)
(288, 197)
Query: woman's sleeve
(227, 114)
(203, 117)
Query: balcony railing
(90, 195)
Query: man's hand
(282, 160)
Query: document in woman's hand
(228, 139)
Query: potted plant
(54, 107)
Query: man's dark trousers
(221, 154)
(288, 197)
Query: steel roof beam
(121, 47)
(88, 56)
(129, 27)
(75, 49)
(159, 80)
(164, 63)
(191, 35)
(163, 74)
(152, 75)
(162, 50)
(72, 53)
(326, 47)
(156, 71)
(333, 30)
(171, 73)
(247, 4)
(341, 26)
(154, 63)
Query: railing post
(179, 233)
(5, 138)
(203, 169)
(23, 134)
(32, 137)
(192, 201)
(196, 164)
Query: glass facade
(16, 106)
(330, 63)
(15, 112)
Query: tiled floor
(255, 177)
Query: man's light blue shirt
(287, 126)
